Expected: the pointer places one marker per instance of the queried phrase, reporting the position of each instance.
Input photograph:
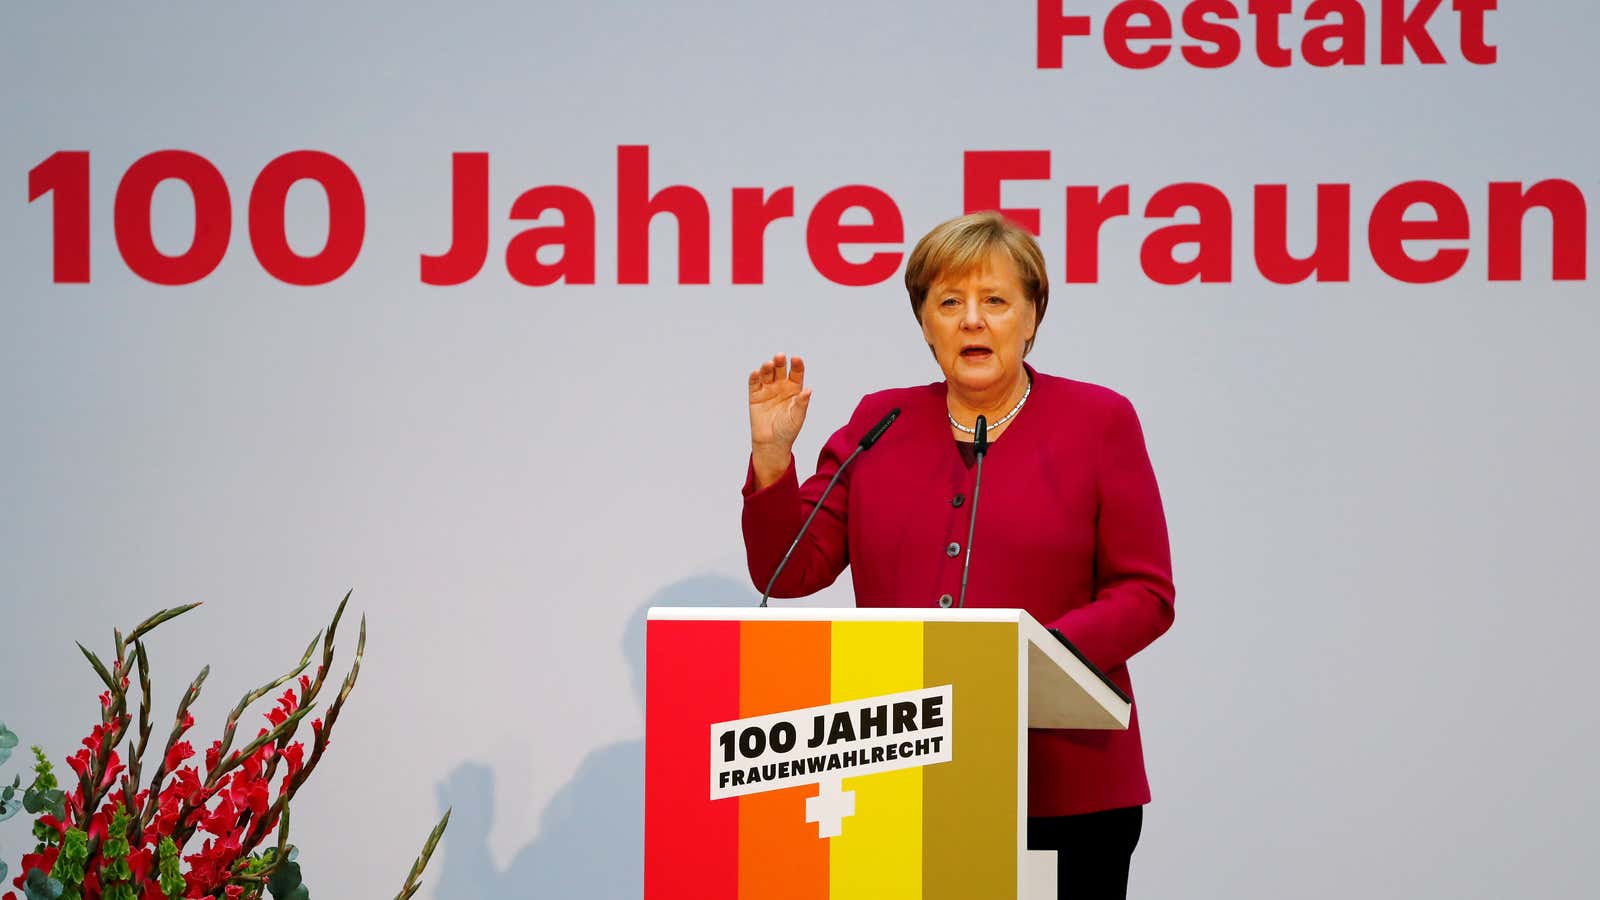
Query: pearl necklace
(1003, 419)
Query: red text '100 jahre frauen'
(1412, 232)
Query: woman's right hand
(778, 401)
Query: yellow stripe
(879, 854)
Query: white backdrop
(1380, 495)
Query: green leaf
(40, 886)
(10, 803)
(8, 742)
(52, 801)
(285, 882)
(3, 870)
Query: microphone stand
(867, 441)
(980, 447)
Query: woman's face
(978, 325)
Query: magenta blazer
(1069, 528)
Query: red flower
(294, 755)
(256, 797)
(209, 868)
(221, 820)
(251, 766)
(43, 861)
(140, 863)
(114, 768)
(185, 784)
(287, 705)
(247, 789)
(95, 738)
(213, 755)
(179, 752)
(167, 809)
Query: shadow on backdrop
(591, 836)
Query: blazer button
(945, 600)
(957, 500)
(952, 549)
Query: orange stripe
(782, 666)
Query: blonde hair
(963, 245)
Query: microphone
(871, 437)
(867, 440)
(980, 448)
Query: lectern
(836, 754)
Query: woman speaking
(1071, 528)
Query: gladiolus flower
(187, 781)
(140, 863)
(79, 762)
(114, 768)
(294, 756)
(221, 821)
(177, 754)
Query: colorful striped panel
(946, 831)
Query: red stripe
(691, 844)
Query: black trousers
(1093, 851)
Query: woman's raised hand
(778, 401)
